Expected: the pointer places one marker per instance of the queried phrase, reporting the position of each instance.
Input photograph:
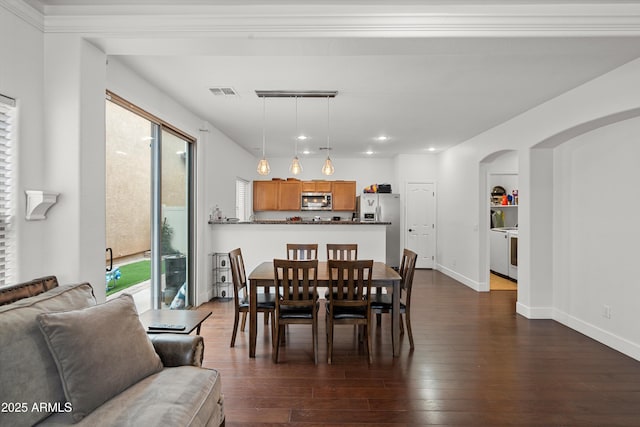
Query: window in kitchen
(242, 199)
(7, 238)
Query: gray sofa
(66, 360)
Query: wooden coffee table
(191, 319)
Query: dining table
(382, 276)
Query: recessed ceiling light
(431, 149)
(369, 152)
(382, 138)
(306, 152)
(302, 137)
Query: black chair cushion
(295, 313)
(348, 313)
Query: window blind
(7, 115)
(242, 199)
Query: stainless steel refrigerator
(383, 207)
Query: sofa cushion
(181, 396)
(27, 371)
(100, 351)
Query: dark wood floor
(475, 363)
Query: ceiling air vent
(223, 91)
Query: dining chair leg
(401, 325)
(276, 344)
(274, 328)
(244, 320)
(330, 342)
(368, 338)
(408, 320)
(235, 329)
(314, 331)
(378, 318)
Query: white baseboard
(616, 342)
(534, 312)
(476, 286)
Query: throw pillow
(99, 351)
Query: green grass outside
(132, 274)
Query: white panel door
(420, 223)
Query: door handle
(110, 259)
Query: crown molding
(348, 21)
(25, 12)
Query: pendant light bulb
(263, 167)
(327, 168)
(263, 164)
(296, 167)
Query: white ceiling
(420, 91)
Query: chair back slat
(350, 282)
(342, 251)
(302, 251)
(295, 281)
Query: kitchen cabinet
(316, 186)
(280, 195)
(289, 195)
(344, 195)
(276, 195)
(265, 195)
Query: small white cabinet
(499, 252)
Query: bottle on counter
(217, 214)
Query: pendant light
(263, 164)
(327, 168)
(296, 167)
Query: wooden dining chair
(349, 304)
(302, 251)
(342, 251)
(382, 303)
(266, 302)
(296, 284)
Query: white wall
(597, 233)
(21, 77)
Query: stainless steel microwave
(316, 202)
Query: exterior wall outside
(128, 197)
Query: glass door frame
(158, 126)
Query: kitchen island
(263, 240)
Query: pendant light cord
(264, 124)
(327, 126)
(295, 154)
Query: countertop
(304, 222)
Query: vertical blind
(242, 202)
(7, 114)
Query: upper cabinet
(316, 186)
(289, 196)
(265, 195)
(344, 195)
(280, 195)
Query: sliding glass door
(149, 208)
